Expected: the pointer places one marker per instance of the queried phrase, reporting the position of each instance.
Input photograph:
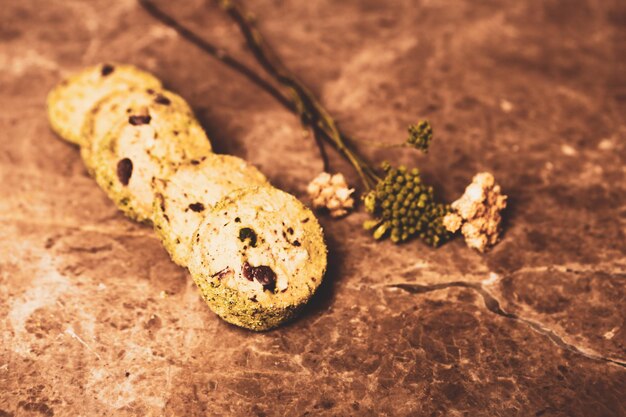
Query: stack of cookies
(256, 253)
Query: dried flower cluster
(331, 192)
(478, 212)
(420, 135)
(404, 207)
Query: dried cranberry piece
(139, 120)
(124, 170)
(245, 233)
(221, 274)
(107, 69)
(161, 99)
(262, 274)
(197, 207)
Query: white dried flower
(331, 192)
(452, 222)
(477, 212)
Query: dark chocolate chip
(290, 230)
(124, 170)
(107, 69)
(262, 274)
(197, 207)
(295, 243)
(194, 162)
(247, 233)
(161, 99)
(139, 120)
(237, 220)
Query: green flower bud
(380, 231)
(420, 135)
(370, 224)
(370, 202)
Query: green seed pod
(403, 208)
(370, 224)
(380, 231)
(420, 135)
(370, 202)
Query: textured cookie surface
(257, 257)
(150, 142)
(116, 108)
(194, 188)
(70, 101)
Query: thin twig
(309, 107)
(217, 53)
(317, 135)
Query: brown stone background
(97, 321)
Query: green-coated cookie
(149, 143)
(69, 102)
(117, 107)
(258, 256)
(183, 198)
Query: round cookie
(114, 108)
(70, 101)
(197, 185)
(258, 256)
(149, 143)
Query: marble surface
(97, 321)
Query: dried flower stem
(300, 99)
(308, 106)
(217, 53)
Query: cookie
(150, 142)
(182, 199)
(115, 108)
(258, 256)
(70, 101)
